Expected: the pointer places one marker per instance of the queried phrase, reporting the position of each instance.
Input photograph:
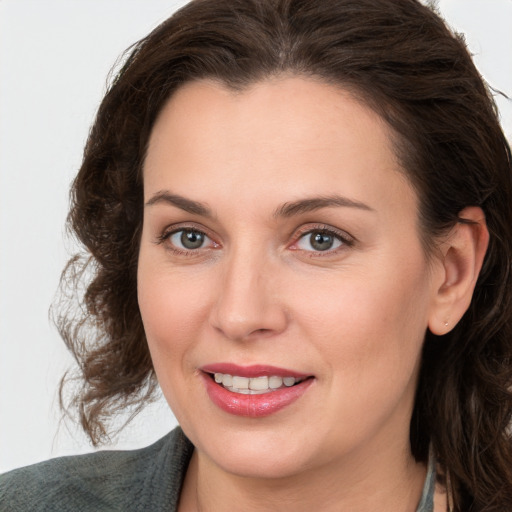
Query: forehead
(299, 134)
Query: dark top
(144, 480)
(149, 479)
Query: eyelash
(346, 240)
(167, 234)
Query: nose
(248, 302)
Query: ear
(461, 258)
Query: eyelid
(168, 231)
(346, 239)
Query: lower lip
(254, 406)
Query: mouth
(255, 385)
(253, 391)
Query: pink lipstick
(253, 391)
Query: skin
(257, 292)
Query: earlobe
(462, 257)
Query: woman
(299, 219)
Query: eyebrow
(286, 210)
(181, 202)
(316, 203)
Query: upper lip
(255, 370)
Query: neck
(387, 481)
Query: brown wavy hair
(397, 56)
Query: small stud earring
(446, 324)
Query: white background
(54, 59)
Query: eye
(322, 240)
(318, 241)
(188, 239)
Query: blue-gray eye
(188, 239)
(319, 241)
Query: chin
(254, 452)
(258, 463)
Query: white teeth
(240, 382)
(289, 381)
(258, 383)
(254, 385)
(275, 382)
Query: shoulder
(105, 480)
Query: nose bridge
(246, 302)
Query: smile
(253, 391)
(254, 385)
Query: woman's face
(280, 246)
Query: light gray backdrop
(54, 59)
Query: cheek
(370, 326)
(172, 311)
